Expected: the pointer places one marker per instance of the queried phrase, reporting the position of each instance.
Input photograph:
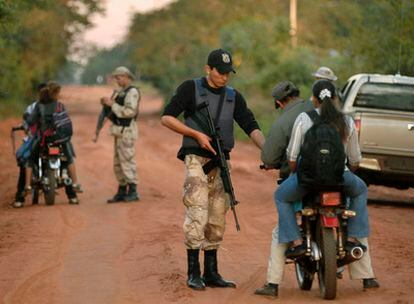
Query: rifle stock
(224, 168)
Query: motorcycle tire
(303, 276)
(35, 195)
(51, 191)
(327, 263)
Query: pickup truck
(383, 109)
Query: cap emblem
(225, 57)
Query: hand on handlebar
(266, 167)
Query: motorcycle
(323, 220)
(50, 173)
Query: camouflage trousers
(125, 166)
(206, 205)
(361, 269)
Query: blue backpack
(62, 125)
(24, 151)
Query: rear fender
(329, 221)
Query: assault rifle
(221, 158)
(105, 113)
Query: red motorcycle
(50, 173)
(323, 220)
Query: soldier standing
(205, 200)
(124, 112)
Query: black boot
(194, 276)
(120, 195)
(370, 283)
(211, 276)
(132, 195)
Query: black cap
(221, 60)
(284, 89)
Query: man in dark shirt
(204, 198)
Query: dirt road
(134, 253)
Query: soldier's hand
(204, 142)
(106, 101)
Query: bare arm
(257, 137)
(293, 165)
(177, 126)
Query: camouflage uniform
(125, 138)
(205, 203)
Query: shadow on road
(391, 203)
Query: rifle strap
(210, 165)
(220, 107)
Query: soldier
(124, 108)
(204, 198)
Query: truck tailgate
(389, 134)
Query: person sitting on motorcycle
(286, 96)
(23, 163)
(290, 190)
(42, 116)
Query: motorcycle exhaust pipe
(357, 253)
(67, 181)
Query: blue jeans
(290, 191)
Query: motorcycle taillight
(54, 150)
(330, 198)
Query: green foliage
(35, 39)
(105, 62)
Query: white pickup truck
(383, 110)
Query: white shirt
(303, 123)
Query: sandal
(77, 188)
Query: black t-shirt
(183, 101)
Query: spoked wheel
(304, 273)
(327, 264)
(50, 192)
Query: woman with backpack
(43, 116)
(325, 101)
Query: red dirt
(134, 253)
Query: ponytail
(325, 92)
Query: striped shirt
(303, 123)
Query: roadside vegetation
(167, 46)
(170, 45)
(36, 37)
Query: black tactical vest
(224, 121)
(120, 99)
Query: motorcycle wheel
(50, 193)
(35, 190)
(303, 276)
(327, 264)
(35, 195)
